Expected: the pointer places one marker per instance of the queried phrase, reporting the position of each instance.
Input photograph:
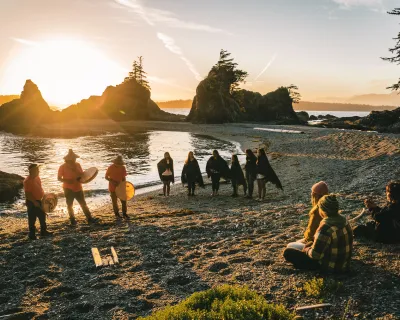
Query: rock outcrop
(28, 111)
(381, 121)
(10, 186)
(212, 105)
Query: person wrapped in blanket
(191, 174)
(216, 168)
(166, 172)
(237, 176)
(385, 224)
(333, 242)
(265, 174)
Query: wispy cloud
(153, 16)
(266, 67)
(169, 43)
(25, 42)
(347, 4)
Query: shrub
(225, 302)
(320, 288)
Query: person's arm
(61, 177)
(321, 243)
(382, 214)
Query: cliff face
(29, 110)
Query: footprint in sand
(239, 260)
(82, 308)
(218, 266)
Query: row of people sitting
(328, 239)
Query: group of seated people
(328, 240)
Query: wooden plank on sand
(110, 261)
(314, 306)
(114, 254)
(97, 257)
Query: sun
(65, 70)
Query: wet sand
(174, 246)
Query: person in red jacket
(116, 173)
(69, 174)
(34, 194)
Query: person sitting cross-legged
(333, 242)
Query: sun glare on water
(66, 71)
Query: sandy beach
(174, 246)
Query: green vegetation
(138, 74)
(395, 51)
(225, 302)
(321, 288)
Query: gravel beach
(174, 246)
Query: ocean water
(185, 112)
(141, 152)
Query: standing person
(333, 242)
(166, 171)
(265, 173)
(216, 168)
(237, 176)
(33, 195)
(385, 227)
(116, 173)
(191, 174)
(69, 174)
(251, 171)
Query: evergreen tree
(294, 95)
(226, 72)
(395, 51)
(141, 75)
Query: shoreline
(174, 246)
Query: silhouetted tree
(138, 74)
(226, 72)
(294, 95)
(395, 51)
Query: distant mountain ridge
(175, 104)
(373, 99)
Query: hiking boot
(249, 197)
(117, 215)
(72, 221)
(125, 216)
(92, 220)
(46, 234)
(32, 237)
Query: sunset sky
(75, 48)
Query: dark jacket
(237, 174)
(218, 165)
(387, 227)
(191, 172)
(264, 168)
(251, 165)
(163, 165)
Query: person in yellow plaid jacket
(333, 242)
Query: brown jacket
(313, 223)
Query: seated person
(385, 227)
(318, 190)
(333, 242)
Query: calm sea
(141, 152)
(185, 112)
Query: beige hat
(118, 161)
(71, 155)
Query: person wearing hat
(333, 242)
(34, 194)
(116, 173)
(318, 190)
(69, 174)
(385, 224)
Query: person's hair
(167, 153)
(250, 153)
(188, 157)
(315, 198)
(393, 188)
(235, 158)
(216, 152)
(262, 152)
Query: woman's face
(258, 152)
(215, 155)
(166, 155)
(191, 156)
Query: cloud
(169, 43)
(153, 16)
(373, 4)
(266, 67)
(25, 42)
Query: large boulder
(303, 116)
(30, 110)
(383, 121)
(213, 105)
(10, 186)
